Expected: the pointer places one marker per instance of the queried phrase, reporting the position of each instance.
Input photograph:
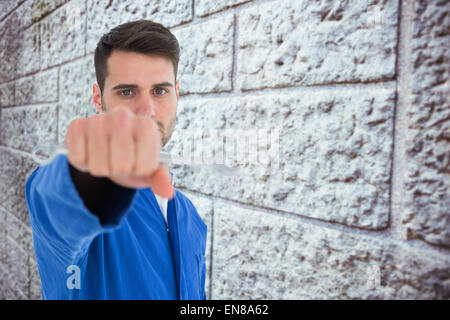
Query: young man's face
(144, 84)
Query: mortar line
(18, 220)
(86, 11)
(47, 68)
(211, 251)
(223, 12)
(234, 73)
(295, 89)
(11, 11)
(32, 104)
(193, 13)
(18, 245)
(380, 234)
(20, 152)
(403, 89)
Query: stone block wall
(358, 206)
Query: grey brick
(3, 230)
(62, 34)
(287, 43)
(334, 152)
(41, 87)
(335, 140)
(75, 92)
(19, 231)
(41, 8)
(29, 53)
(11, 41)
(7, 94)
(17, 269)
(206, 57)
(29, 127)
(22, 15)
(3, 282)
(35, 280)
(204, 208)
(260, 255)
(17, 43)
(427, 184)
(15, 169)
(103, 16)
(6, 6)
(205, 7)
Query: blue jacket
(128, 255)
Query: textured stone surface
(26, 128)
(41, 87)
(7, 94)
(105, 15)
(427, 214)
(29, 53)
(3, 229)
(333, 161)
(40, 8)
(35, 280)
(286, 43)
(18, 231)
(19, 42)
(11, 41)
(334, 152)
(17, 269)
(204, 208)
(15, 169)
(63, 34)
(75, 92)
(18, 247)
(6, 6)
(206, 57)
(264, 256)
(205, 7)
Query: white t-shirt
(162, 202)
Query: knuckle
(76, 123)
(143, 123)
(96, 117)
(123, 111)
(143, 170)
(98, 170)
(123, 116)
(76, 157)
(121, 167)
(75, 128)
(97, 124)
(146, 127)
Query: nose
(146, 106)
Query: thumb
(160, 182)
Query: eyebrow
(133, 86)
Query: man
(107, 223)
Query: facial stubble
(165, 134)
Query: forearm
(69, 208)
(94, 191)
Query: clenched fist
(121, 146)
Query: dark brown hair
(141, 36)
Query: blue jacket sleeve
(58, 216)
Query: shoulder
(190, 211)
(181, 197)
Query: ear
(97, 98)
(177, 86)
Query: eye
(157, 89)
(127, 92)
